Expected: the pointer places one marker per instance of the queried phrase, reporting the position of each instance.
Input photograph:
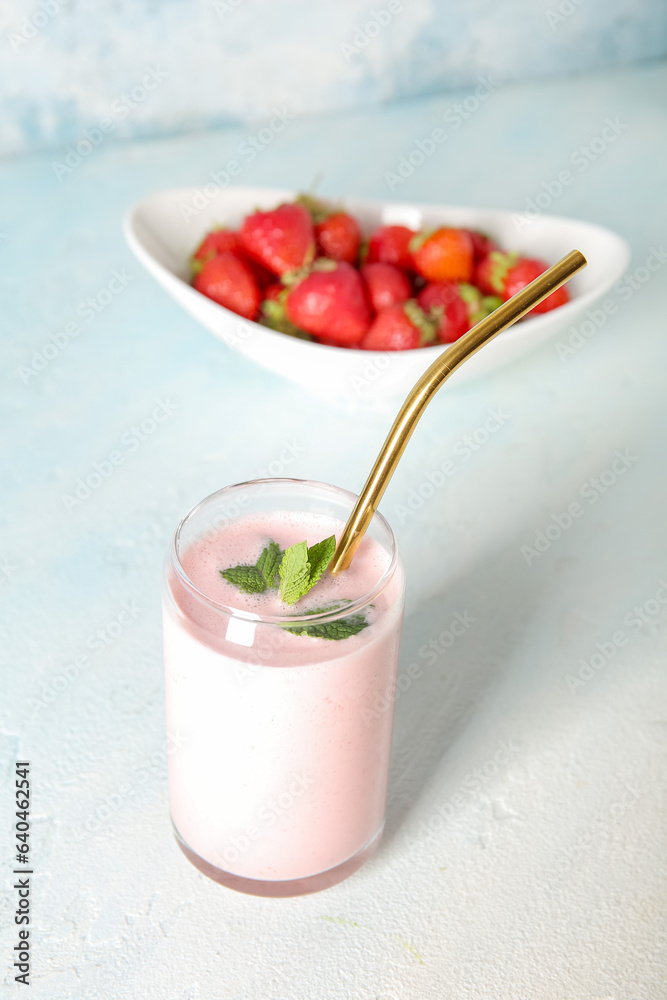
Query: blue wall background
(67, 65)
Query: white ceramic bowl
(164, 229)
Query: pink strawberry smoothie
(278, 763)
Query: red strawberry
(228, 280)
(337, 232)
(263, 276)
(505, 274)
(222, 240)
(391, 245)
(438, 293)
(399, 328)
(455, 307)
(387, 285)
(274, 292)
(282, 240)
(525, 271)
(482, 245)
(216, 242)
(443, 254)
(442, 301)
(274, 315)
(491, 271)
(338, 237)
(331, 303)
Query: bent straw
(423, 391)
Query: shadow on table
(458, 672)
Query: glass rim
(306, 619)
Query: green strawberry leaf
(246, 578)
(418, 240)
(502, 263)
(424, 323)
(274, 317)
(318, 209)
(470, 294)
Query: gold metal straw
(427, 386)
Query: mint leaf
(294, 573)
(341, 629)
(268, 564)
(246, 578)
(319, 557)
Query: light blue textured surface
(524, 857)
(69, 64)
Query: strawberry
(338, 237)
(442, 302)
(228, 280)
(220, 241)
(273, 313)
(438, 293)
(275, 292)
(525, 271)
(399, 328)
(337, 232)
(263, 276)
(482, 245)
(331, 303)
(491, 271)
(455, 307)
(387, 285)
(282, 240)
(216, 242)
(505, 274)
(443, 254)
(391, 245)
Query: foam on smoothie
(241, 543)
